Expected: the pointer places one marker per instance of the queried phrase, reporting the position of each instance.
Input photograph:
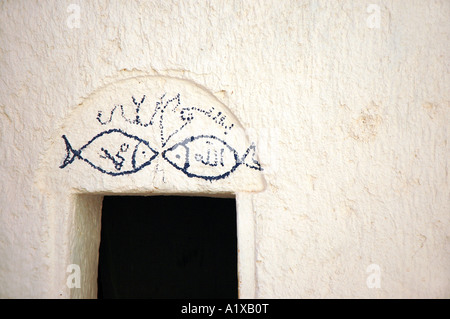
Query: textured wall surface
(350, 114)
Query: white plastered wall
(350, 118)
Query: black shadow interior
(168, 247)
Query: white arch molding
(149, 135)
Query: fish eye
(177, 156)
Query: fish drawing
(208, 157)
(112, 152)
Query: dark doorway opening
(170, 247)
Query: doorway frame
(77, 242)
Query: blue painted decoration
(136, 121)
(112, 152)
(115, 152)
(217, 116)
(166, 111)
(208, 157)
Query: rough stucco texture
(350, 117)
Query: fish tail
(71, 153)
(249, 158)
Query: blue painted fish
(112, 152)
(208, 157)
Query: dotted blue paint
(214, 115)
(135, 121)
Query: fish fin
(249, 158)
(71, 153)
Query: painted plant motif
(115, 152)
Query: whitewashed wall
(348, 102)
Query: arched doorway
(143, 136)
